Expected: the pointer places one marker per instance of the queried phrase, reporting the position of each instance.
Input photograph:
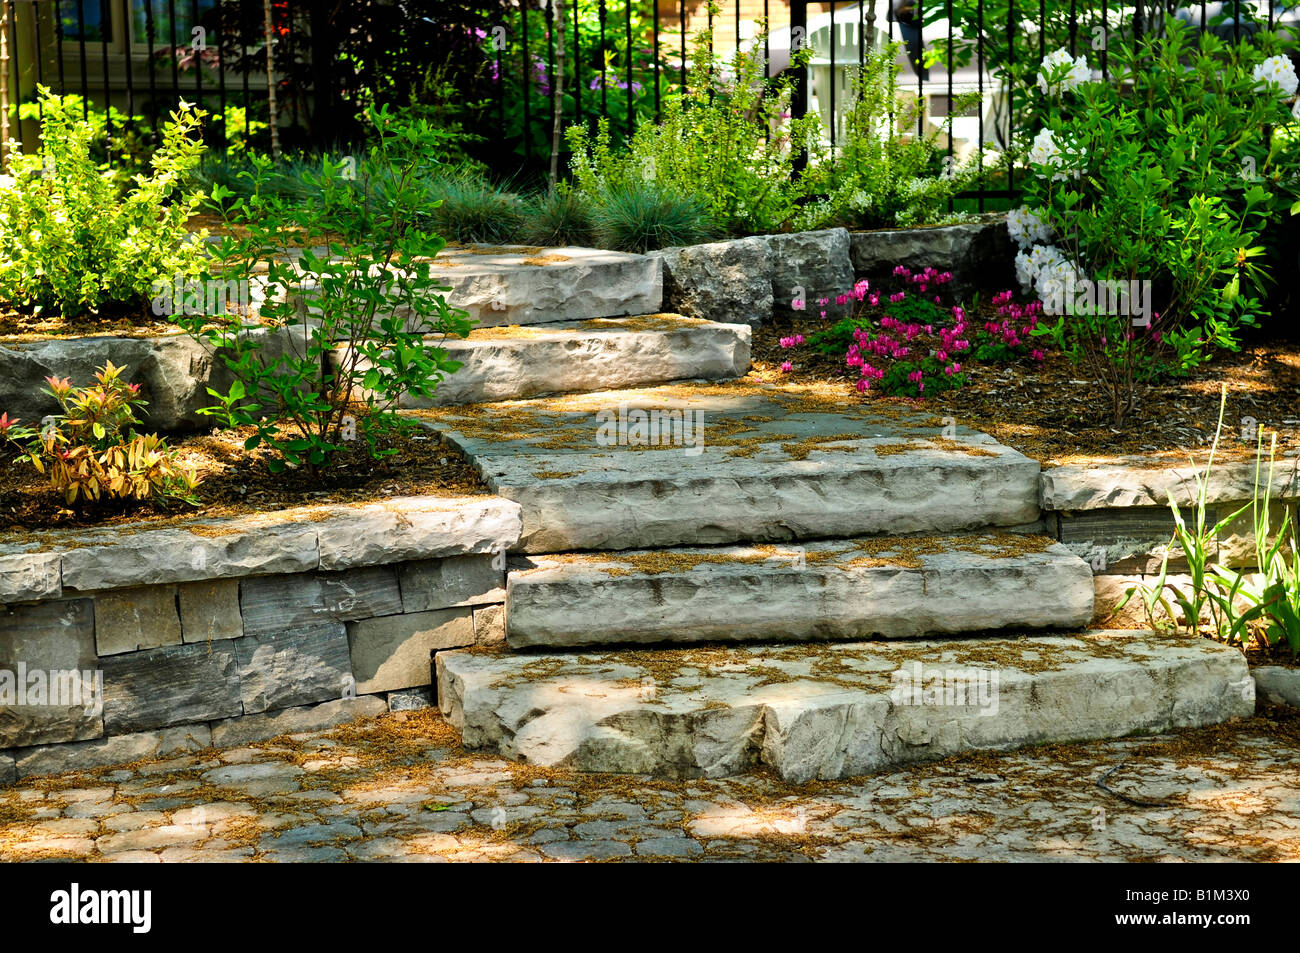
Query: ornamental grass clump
(556, 218)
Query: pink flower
(787, 367)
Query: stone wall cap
(300, 539)
(1147, 481)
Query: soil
(1050, 411)
(24, 325)
(238, 482)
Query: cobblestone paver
(398, 788)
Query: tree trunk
(557, 91)
(4, 85)
(269, 27)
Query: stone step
(740, 462)
(881, 587)
(591, 355)
(819, 711)
(505, 285)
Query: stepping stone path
(857, 585)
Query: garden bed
(1049, 411)
(237, 481)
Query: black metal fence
(496, 65)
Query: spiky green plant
(469, 208)
(558, 217)
(640, 216)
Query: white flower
(1031, 264)
(1045, 151)
(1025, 273)
(1278, 71)
(1027, 227)
(1044, 269)
(1057, 280)
(1078, 74)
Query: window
(171, 20)
(86, 20)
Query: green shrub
(69, 239)
(640, 216)
(557, 218)
(727, 142)
(119, 144)
(1165, 176)
(368, 315)
(882, 174)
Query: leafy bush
(1159, 183)
(883, 174)
(70, 240)
(727, 142)
(361, 311)
(436, 101)
(639, 216)
(556, 218)
(119, 144)
(907, 345)
(90, 451)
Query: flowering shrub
(91, 451)
(908, 344)
(1146, 201)
(1060, 73)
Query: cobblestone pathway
(399, 788)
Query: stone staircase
(716, 574)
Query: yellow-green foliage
(70, 240)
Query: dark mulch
(1052, 412)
